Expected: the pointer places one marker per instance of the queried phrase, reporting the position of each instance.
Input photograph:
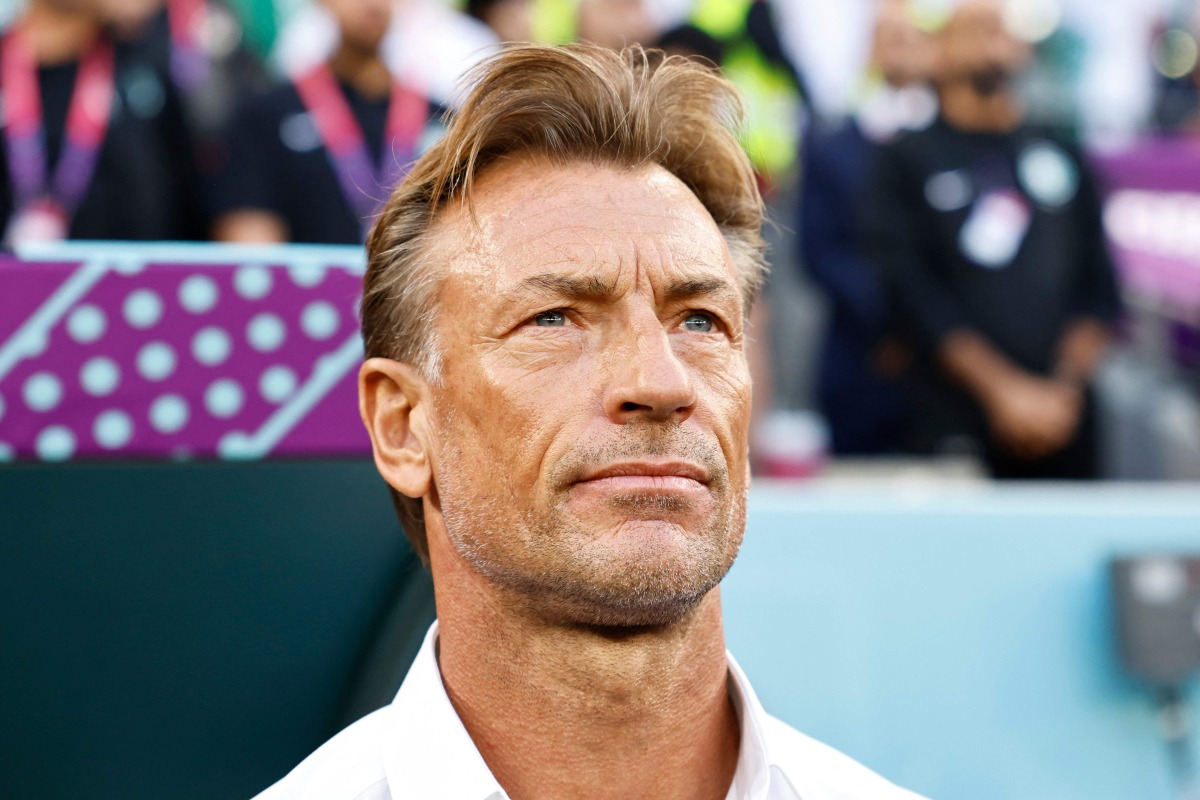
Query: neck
(58, 35)
(557, 709)
(364, 70)
(968, 110)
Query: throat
(645, 714)
(365, 72)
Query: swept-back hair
(564, 105)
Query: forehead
(530, 215)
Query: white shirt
(417, 749)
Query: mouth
(648, 476)
(990, 80)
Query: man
(989, 232)
(200, 44)
(510, 20)
(96, 146)
(859, 362)
(556, 390)
(314, 159)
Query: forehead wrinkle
(503, 226)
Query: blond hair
(564, 105)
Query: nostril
(630, 406)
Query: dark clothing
(996, 233)
(145, 185)
(210, 96)
(278, 164)
(865, 411)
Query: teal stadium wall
(958, 640)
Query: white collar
(429, 752)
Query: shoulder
(279, 98)
(818, 770)
(347, 767)
(273, 119)
(270, 103)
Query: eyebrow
(699, 287)
(586, 287)
(592, 287)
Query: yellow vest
(771, 132)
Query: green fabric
(554, 21)
(259, 21)
(722, 19)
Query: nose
(647, 380)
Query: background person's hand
(1033, 417)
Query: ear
(392, 399)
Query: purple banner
(180, 352)
(1152, 217)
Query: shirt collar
(752, 778)
(430, 753)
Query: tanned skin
(60, 31)
(583, 466)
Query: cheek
(506, 419)
(727, 397)
(727, 387)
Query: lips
(649, 476)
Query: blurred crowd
(933, 149)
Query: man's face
(590, 429)
(615, 23)
(901, 51)
(362, 23)
(977, 46)
(127, 16)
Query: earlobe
(392, 401)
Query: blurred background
(972, 551)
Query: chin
(650, 573)
(649, 606)
(609, 566)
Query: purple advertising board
(1152, 217)
(196, 351)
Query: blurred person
(858, 362)
(989, 232)
(510, 20)
(199, 44)
(615, 23)
(428, 45)
(313, 159)
(96, 144)
(753, 57)
(772, 88)
(1177, 75)
(557, 393)
(693, 43)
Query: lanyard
(189, 59)
(363, 185)
(24, 131)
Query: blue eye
(701, 323)
(550, 319)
